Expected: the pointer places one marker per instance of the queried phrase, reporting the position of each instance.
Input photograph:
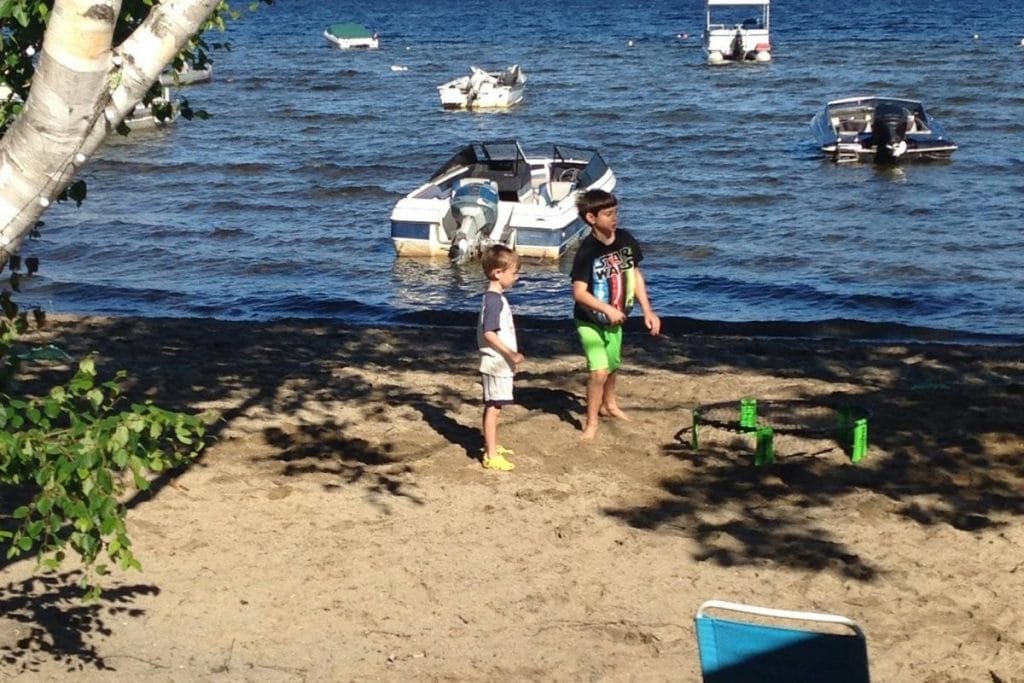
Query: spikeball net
(847, 424)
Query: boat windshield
(501, 161)
(593, 170)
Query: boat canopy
(349, 30)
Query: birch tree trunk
(83, 87)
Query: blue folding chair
(739, 649)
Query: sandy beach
(340, 527)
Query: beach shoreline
(340, 525)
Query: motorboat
(883, 129)
(187, 75)
(484, 89)
(493, 193)
(162, 111)
(348, 36)
(737, 31)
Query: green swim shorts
(601, 345)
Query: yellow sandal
(498, 463)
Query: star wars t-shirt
(610, 273)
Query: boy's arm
(514, 358)
(584, 298)
(651, 319)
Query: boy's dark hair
(594, 201)
(497, 256)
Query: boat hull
(187, 76)
(455, 97)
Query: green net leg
(765, 453)
(859, 447)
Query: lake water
(277, 206)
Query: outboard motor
(738, 53)
(475, 205)
(889, 131)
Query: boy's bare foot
(615, 411)
(589, 432)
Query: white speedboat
(737, 31)
(883, 129)
(492, 192)
(348, 36)
(484, 89)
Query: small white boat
(187, 75)
(737, 31)
(348, 36)
(492, 193)
(882, 129)
(144, 118)
(484, 89)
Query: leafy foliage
(23, 23)
(73, 455)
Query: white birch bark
(83, 88)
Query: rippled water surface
(278, 205)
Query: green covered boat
(348, 35)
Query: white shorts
(497, 390)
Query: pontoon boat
(737, 31)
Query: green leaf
(51, 407)
(95, 397)
(20, 15)
(21, 512)
(108, 524)
(120, 437)
(183, 435)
